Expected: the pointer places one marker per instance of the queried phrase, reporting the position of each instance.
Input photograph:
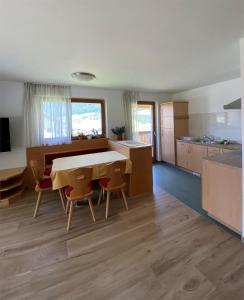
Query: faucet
(209, 139)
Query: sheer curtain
(47, 114)
(130, 99)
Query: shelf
(11, 173)
(8, 200)
(11, 185)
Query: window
(88, 117)
(56, 121)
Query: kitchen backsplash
(221, 125)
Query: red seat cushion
(47, 171)
(104, 182)
(68, 189)
(45, 183)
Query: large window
(88, 117)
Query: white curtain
(47, 114)
(130, 99)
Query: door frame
(152, 103)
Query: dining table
(96, 161)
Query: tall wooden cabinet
(174, 124)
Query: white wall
(242, 112)
(11, 105)
(207, 115)
(114, 104)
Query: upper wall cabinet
(174, 124)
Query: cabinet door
(195, 155)
(181, 127)
(182, 154)
(180, 109)
(167, 116)
(212, 151)
(221, 193)
(168, 145)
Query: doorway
(146, 118)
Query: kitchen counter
(140, 181)
(232, 146)
(222, 188)
(233, 159)
(132, 144)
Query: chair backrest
(80, 180)
(115, 172)
(35, 171)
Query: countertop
(132, 144)
(233, 159)
(233, 146)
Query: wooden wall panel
(37, 153)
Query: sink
(197, 140)
(189, 138)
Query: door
(167, 132)
(147, 124)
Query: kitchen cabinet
(189, 156)
(182, 154)
(168, 145)
(214, 151)
(174, 124)
(222, 189)
(226, 151)
(195, 156)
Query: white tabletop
(86, 160)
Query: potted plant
(118, 131)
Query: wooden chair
(79, 188)
(114, 181)
(42, 185)
(47, 171)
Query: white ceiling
(161, 45)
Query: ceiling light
(83, 76)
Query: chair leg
(70, 215)
(61, 198)
(124, 198)
(67, 207)
(107, 204)
(100, 197)
(37, 204)
(92, 210)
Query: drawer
(213, 151)
(227, 150)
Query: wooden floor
(159, 249)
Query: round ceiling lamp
(83, 76)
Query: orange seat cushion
(104, 182)
(45, 183)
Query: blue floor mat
(184, 186)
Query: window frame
(98, 101)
